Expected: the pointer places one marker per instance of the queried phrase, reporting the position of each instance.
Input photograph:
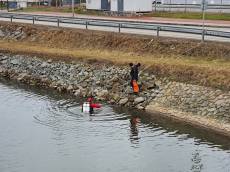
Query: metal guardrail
(116, 24)
(95, 19)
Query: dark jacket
(135, 72)
(132, 73)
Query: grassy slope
(174, 59)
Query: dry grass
(208, 73)
(181, 60)
(190, 15)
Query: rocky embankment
(204, 106)
(106, 83)
(111, 84)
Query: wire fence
(191, 5)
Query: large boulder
(15, 62)
(22, 76)
(139, 100)
(123, 101)
(70, 88)
(2, 33)
(140, 107)
(102, 94)
(115, 97)
(77, 93)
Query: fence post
(119, 27)
(11, 18)
(158, 31)
(86, 24)
(58, 22)
(203, 34)
(33, 19)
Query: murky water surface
(42, 131)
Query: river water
(43, 131)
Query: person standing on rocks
(134, 73)
(131, 74)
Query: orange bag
(135, 87)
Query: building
(120, 5)
(98, 4)
(225, 2)
(14, 4)
(69, 2)
(131, 5)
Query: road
(137, 31)
(154, 20)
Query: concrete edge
(210, 124)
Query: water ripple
(39, 126)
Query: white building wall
(113, 5)
(22, 4)
(138, 5)
(133, 5)
(93, 4)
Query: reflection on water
(45, 131)
(134, 122)
(196, 162)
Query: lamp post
(221, 3)
(7, 5)
(185, 9)
(170, 2)
(203, 7)
(1, 4)
(72, 8)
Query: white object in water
(86, 107)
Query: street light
(7, 6)
(221, 3)
(170, 5)
(203, 7)
(73, 8)
(185, 9)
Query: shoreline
(183, 79)
(11, 67)
(208, 124)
